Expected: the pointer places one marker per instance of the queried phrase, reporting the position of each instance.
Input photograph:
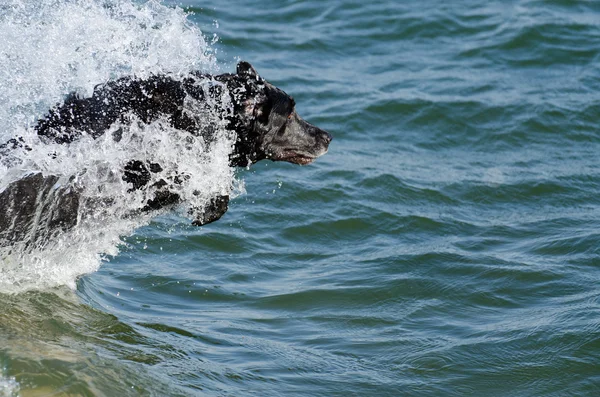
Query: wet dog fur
(263, 117)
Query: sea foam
(50, 48)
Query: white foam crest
(9, 387)
(53, 47)
(109, 208)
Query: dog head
(267, 124)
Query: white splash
(9, 387)
(52, 47)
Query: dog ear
(246, 70)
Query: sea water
(446, 245)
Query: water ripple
(446, 245)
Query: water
(446, 245)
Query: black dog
(262, 116)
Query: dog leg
(213, 211)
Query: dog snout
(323, 136)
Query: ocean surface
(447, 245)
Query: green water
(448, 244)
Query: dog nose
(326, 136)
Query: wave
(54, 47)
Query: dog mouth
(295, 157)
(301, 159)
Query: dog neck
(246, 96)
